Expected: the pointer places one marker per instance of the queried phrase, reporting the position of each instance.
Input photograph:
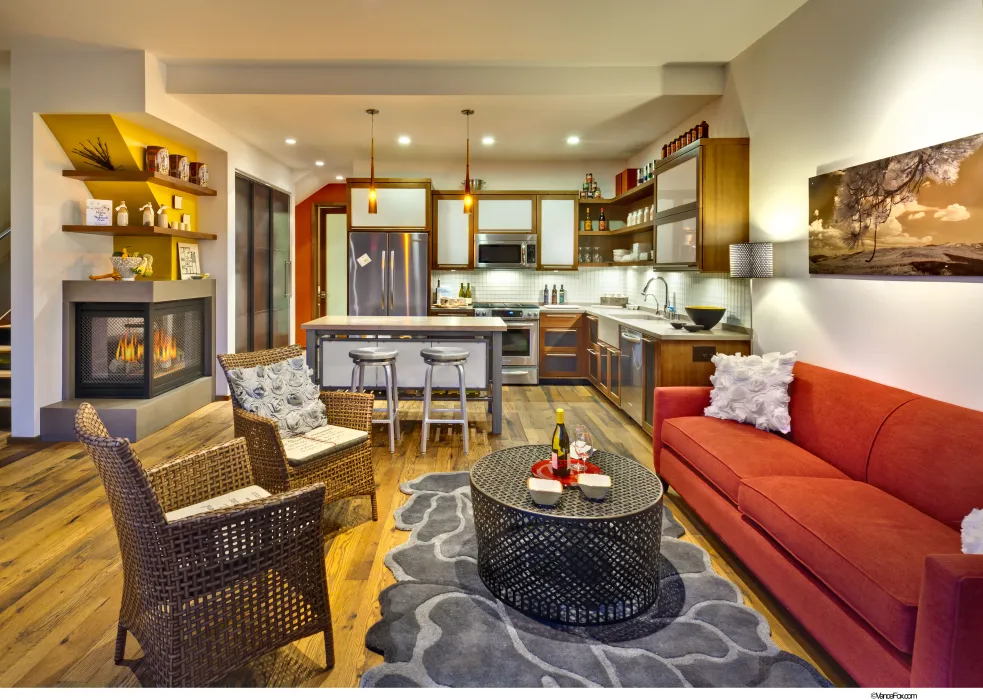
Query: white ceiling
(534, 71)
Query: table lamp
(749, 261)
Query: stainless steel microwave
(515, 250)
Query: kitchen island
(330, 338)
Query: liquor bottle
(546, 294)
(588, 225)
(563, 295)
(561, 447)
(460, 293)
(602, 223)
(553, 299)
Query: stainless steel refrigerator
(387, 274)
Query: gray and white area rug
(441, 626)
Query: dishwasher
(632, 377)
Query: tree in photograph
(868, 193)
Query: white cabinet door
(557, 227)
(505, 214)
(453, 233)
(675, 242)
(475, 371)
(410, 366)
(676, 186)
(336, 365)
(397, 208)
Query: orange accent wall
(304, 224)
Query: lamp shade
(751, 260)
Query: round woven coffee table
(579, 562)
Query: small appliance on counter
(520, 341)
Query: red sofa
(852, 521)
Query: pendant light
(468, 199)
(373, 205)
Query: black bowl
(706, 316)
(693, 327)
(678, 325)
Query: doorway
(330, 260)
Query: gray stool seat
(373, 354)
(444, 354)
(384, 358)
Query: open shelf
(635, 263)
(624, 231)
(139, 231)
(635, 194)
(174, 183)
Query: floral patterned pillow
(282, 391)
(752, 390)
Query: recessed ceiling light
(319, 163)
(488, 140)
(290, 142)
(404, 140)
(339, 177)
(573, 140)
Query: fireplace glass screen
(138, 350)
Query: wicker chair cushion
(233, 498)
(282, 391)
(321, 442)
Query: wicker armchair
(208, 593)
(345, 473)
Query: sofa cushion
(836, 416)
(282, 391)
(867, 546)
(930, 454)
(725, 453)
(320, 442)
(232, 498)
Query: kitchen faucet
(646, 294)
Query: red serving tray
(544, 470)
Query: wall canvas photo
(918, 213)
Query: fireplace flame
(130, 347)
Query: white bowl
(594, 486)
(544, 492)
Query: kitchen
(518, 251)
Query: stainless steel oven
(520, 341)
(507, 250)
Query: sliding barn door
(263, 275)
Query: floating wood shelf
(635, 263)
(174, 183)
(624, 231)
(646, 189)
(139, 231)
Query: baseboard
(36, 440)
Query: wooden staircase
(5, 377)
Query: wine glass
(581, 448)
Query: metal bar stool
(444, 357)
(385, 358)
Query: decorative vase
(148, 214)
(122, 215)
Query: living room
(820, 529)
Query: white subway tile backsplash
(587, 286)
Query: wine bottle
(460, 293)
(546, 294)
(602, 223)
(562, 295)
(467, 292)
(553, 295)
(588, 226)
(561, 447)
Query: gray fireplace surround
(132, 418)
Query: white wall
(839, 83)
(4, 140)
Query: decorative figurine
(122, 215)
(148, 214)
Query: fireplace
(139, 350)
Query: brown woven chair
(208, 593)
(345, 473)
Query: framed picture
(914, 214)
(187, 258)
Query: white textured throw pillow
(752, 390)
(282, 391)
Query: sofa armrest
(675, 402)
(949, 629)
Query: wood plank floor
(60, 576)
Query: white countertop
(656, 328)
(414, 324)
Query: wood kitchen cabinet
(702, 204)
(558, 236)
(562, 346)
(603, 363)
(403, 204)
(453, 234)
